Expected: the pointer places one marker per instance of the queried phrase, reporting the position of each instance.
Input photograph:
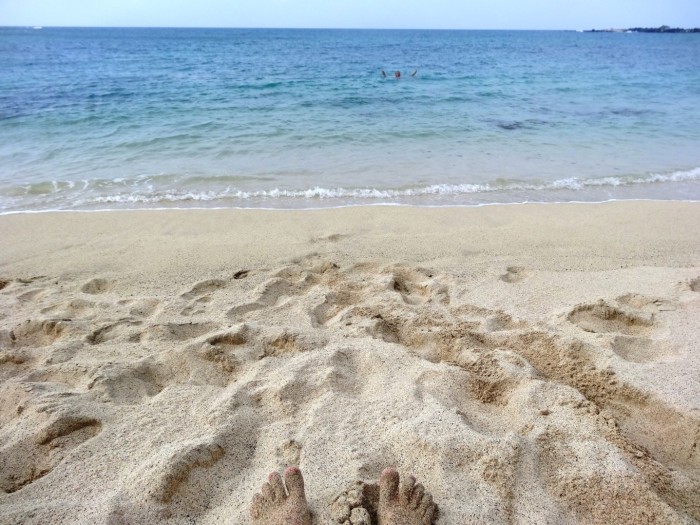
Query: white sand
(529, 364)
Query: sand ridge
(120, 406)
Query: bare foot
(407, 505)
(277, 506)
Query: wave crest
(320, 193)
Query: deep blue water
(124, 118)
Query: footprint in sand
(23, 292)
(97, 286)
(131, 383)
(13, 362)
(112, 331)
(221, 349)
(38, 333)
(641, 350)
(514, 274)
(204, 288)
(28, 459)
(169, 468)
(281, 342)
(144, 307)
(32, 295)
(645, 303)
(289, 453)
(269, 293)
(30, 280)
(333, 237)
(694, 285)
(200, 295)
(218, 358)
(70, 309)
(499, 321)
(333, 304)
(197, 307)
(66, 375)
(411, 287)
(177, 331)
(602, 317)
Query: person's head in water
(397, 74)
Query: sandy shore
(533, 364)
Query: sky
(387, 14)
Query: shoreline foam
(348, 206)
(146, 191)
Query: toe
(275, 481)
(417, 496)
(388, 485)
(295, 482)
(267, 492)
(429, 515)
(256, 506)
(426, 502)
(407, 489)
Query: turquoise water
(134, 118)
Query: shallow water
(132, 118)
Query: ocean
(109, 118)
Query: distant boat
(38, 27)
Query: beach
(527, 363)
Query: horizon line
(32, 26)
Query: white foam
(141, 192)
(319, 193)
